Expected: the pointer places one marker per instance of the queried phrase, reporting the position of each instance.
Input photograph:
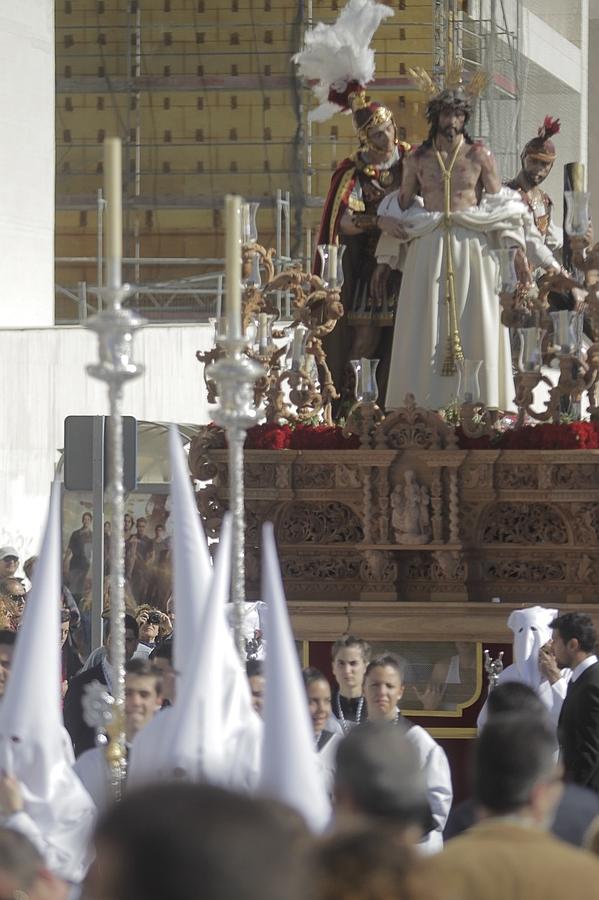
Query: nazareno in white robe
(420, 333)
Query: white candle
(114, 212)
(298, 343)
(332, 265)
(233, 263)
(262, 333)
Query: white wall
(42, 371)
(27, 162)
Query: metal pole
(235, 376)
(82, 295)
(98, 530)
(99, 252)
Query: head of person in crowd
(13, 590)
(350, 656)
(140, 526)
(318, 691)
(150, 621)
(65, 624)
(29, 566)
(183, 840)
(7, 648)
(86, 521)
(131, 636)
(170, 609)
(368, 864)
(254, 669)
(384, 687)
(515, 772)
(143, 695)
(378, 778)
(515, 697)
(23, 871)
(9, 562)
(161, 659)
(574, 638)
(128, 523)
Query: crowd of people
(394, 830)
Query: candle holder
(115, 328)
(493, 668)
(235, 375)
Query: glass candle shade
(530, 355)
(468, 384)
(567, 332)
(507, 278)
(577, 213)
(366, 387)
(331, 264)
(249, 228)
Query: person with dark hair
(23, 871)
(7, 649)
(384, 688)
(509, 853)
(578, 806)
(180, 841)
(370, 865)
(318, 691)
(254, 669)
(379, 779)
(161, 658)
(143, 690)
(455, 212)
(82, 735)
(350, 656)
(574, 643)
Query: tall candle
(297, 347)
(332, 279)
(262, 333)
(114, 212)
(233, 263)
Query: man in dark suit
(574, 642)
(81, 734)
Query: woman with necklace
(383, 689)
(350, 657)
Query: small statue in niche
(410, 518)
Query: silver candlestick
(493, 668)
(115, 328)
(235, 376)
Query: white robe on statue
(420, 333)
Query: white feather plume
(336, 54)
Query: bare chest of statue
(463, 173)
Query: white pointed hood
(34, 747)
(192, 566)
(211, 733)
(290, 769)
(532, 630)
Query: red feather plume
(341, 98)
(549, 127)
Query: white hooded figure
(57, 813)
(532, 630)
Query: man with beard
(455, 212)
(537, 160)
(350, 217)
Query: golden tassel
(454, 352)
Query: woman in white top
(318, 691)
